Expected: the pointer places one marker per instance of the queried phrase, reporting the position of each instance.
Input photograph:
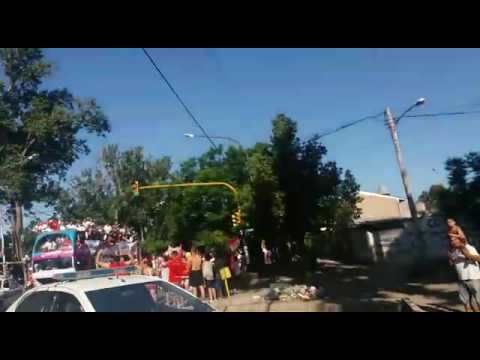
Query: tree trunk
(17, 230)
(141, 244)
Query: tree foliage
(39, 132)
(286, 190)
(462, 197)
(40, 123)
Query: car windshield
(145, 297)
(53, 242)
(53, 264)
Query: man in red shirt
(176, 268)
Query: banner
(52, 255)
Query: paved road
(353, 288)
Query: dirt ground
(351, 288)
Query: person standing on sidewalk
(218, 263)
(465, 258)
(209, 277)
(195, 270)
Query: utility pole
(418, 256)
(2, 238)
(403, 171)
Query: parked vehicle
(108, 290)
(10, 290)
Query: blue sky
(236, 92)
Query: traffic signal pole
(169, 186)
(136, 189)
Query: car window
(64, 302)
(145, 297)
(40, 301)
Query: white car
(10, 290)
(108, 290)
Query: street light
(392, 125)
(419, 102)
(21, 162)
(31, 157)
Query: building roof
(385, 222)
(366, 193)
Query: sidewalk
(355, 288)
(253, 301)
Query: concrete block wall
(398, 243)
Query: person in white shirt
(465, 259)
(50, 245)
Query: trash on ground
(272, 295)
(285, 293)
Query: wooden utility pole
(403, 171)
(419, 257)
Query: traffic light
(239, 217)
(135, 188)
(236, 218)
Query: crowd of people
(113, 246)
(198, 270)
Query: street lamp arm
(419, 102)
(224, 138)
(215, 137)
(229, 139)
(405, 113)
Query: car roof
(106, 282)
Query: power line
(407, 116)
(444, 114)
(351, 124)
(179, 98)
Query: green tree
(433, 198)
(310, 188)
(462, 198)
(88, 196)
(105, 193)
(287, 193)
(39, 131)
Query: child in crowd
(455, 234)
(455, 231)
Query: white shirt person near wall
(465, 259)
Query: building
(377, 207)
(385, 232)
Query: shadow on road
(359, 288)
(364, 288)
